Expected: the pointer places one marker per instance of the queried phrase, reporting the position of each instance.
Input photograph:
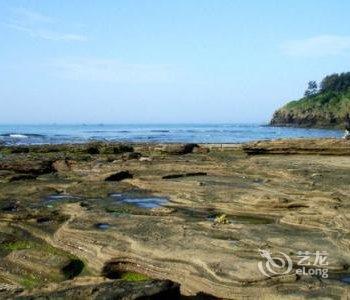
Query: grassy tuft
(30, 281)
(133, 276)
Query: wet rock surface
(71, 234)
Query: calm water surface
(195, 133)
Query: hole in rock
(73, 268)
(123, 270)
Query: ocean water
(171, 133)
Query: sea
(153, 133)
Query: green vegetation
(25, 244)
(325, 106)
(30, 281)
(18, 245)
(133, 276)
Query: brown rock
(24, 165)
(62, 165)
(179, 149)
(131, 155)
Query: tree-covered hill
(323, 106)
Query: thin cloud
(112, 71)
(48, 34)
(318, 46)
(40, 26)
(30, 16)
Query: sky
(185, 61)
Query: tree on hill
(335, 83)
(311, 89)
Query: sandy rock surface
(69, 225)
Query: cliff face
(320, 111)
(302, 118)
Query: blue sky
(181, 61)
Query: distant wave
(160, 130)
(22, 135)
(18, 136)
(107, 131)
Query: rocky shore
(307, 118)
(323, 106)
(148, 221)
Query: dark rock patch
(92, 150)
(73, 268)
(10, 207)
(18, 149)
(173, 176)
(296, 206)
(85, 204)
(22, 177)
(45, 219)
(119, 176)
(113, 270)
(27, 166)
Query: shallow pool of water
(51, 199)
(140, 201)
(102, 226)
(345, 279)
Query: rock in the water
(119, 176)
